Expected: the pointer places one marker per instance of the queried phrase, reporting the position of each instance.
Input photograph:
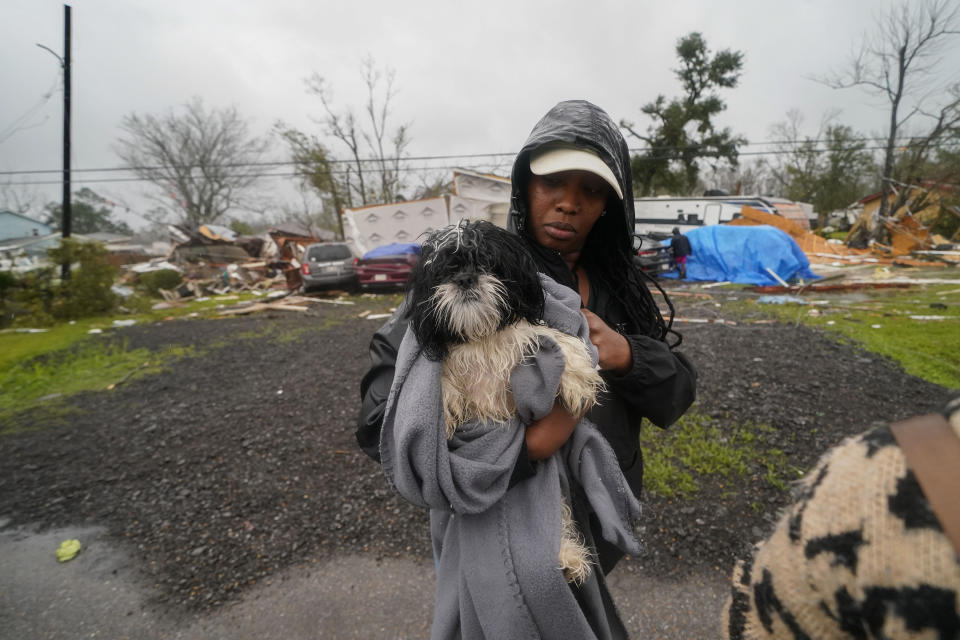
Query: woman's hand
(613, 348)
(546, 435)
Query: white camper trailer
(659, 216)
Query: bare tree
(202, 161)
(898, 62)
(376, 150)
(17, 198)
(432, 185)
(741, 179)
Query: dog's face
(472, 280)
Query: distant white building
(377, 225)
(476, 196)
(479, 196)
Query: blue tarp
(724, 253)
(393, 249)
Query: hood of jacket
(583, 124)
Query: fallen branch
(127, 377)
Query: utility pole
(65, 207)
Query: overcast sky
(471, 78)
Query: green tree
(682, 131)
(242, 227)
(202, 161)
(316, 167)
(40, 297)
(89, 213)
(830, 170)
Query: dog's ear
(421, 314)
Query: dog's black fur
(460, 254)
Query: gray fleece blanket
(496, 546)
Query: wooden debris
(705, 321)
(260, 306)
(844, 286)
(776, 277)
(686, 294)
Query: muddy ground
(240, 462)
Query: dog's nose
(465, 280)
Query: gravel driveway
(226, 495)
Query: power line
(291, 174)
(905, 141)
(400, 169)
(20, 124)
(278, 163)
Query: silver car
(328, 265)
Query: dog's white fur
(473, 313)
(476, 374)
(476, 385)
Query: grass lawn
(44, 367)
(918, 327)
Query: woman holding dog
(572, 205)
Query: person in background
(680, 248)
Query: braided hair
(616, 272)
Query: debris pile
(275, 302)
(213, 260)
(912, 243)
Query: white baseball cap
(554, 158)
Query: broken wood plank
(278, 306)
(776, 277)
(333, 301)
(845, 286)
(686, 294)
(260, 306)
(705, 321)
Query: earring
(603, 213)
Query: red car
(387, 267)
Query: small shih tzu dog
(476, 304)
